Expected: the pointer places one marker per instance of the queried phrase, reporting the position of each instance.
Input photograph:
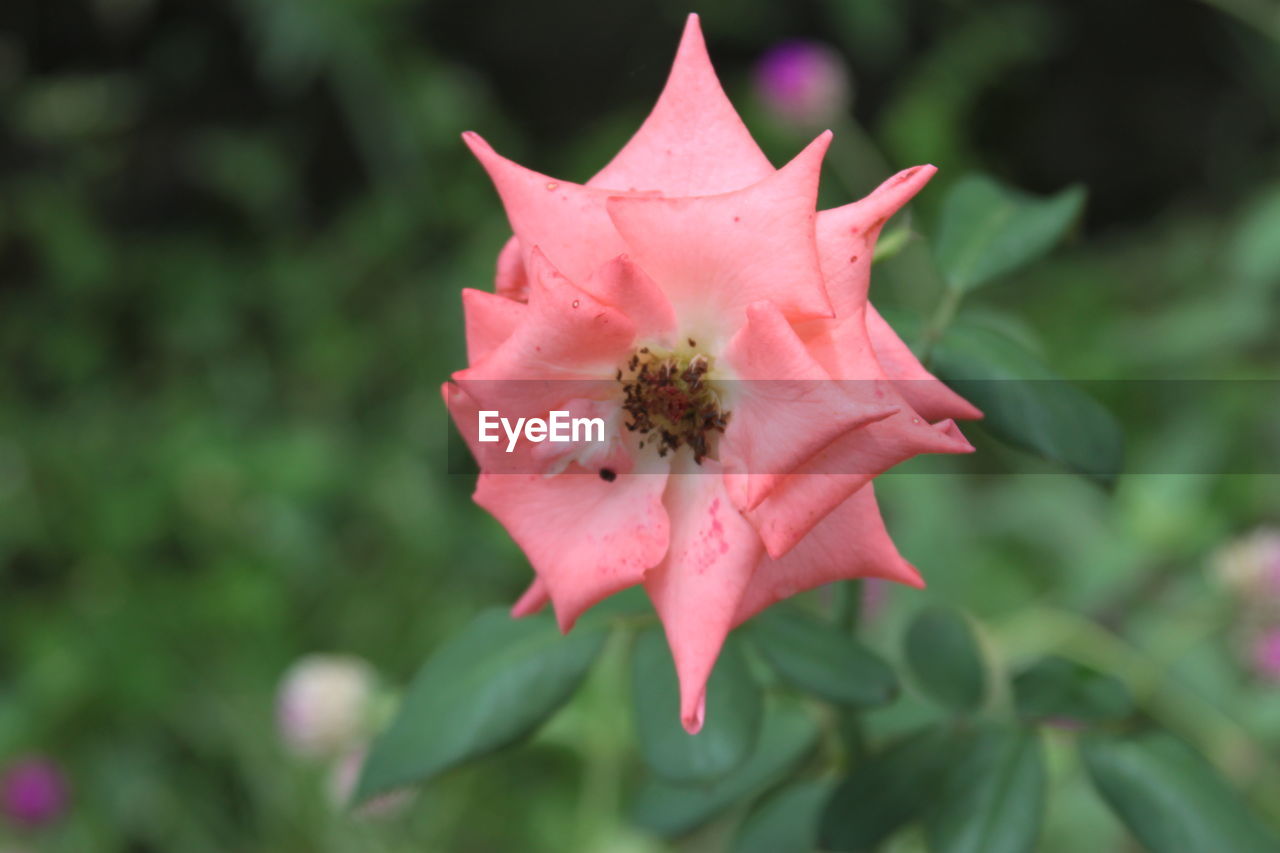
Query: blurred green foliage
(232, 238)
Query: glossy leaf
(993, 799)
(888, 789)
(1054, 687)
(988, 230)
(734, 709)
(817, 656)
(1170, 797)
(786, 821)
(1027, 405)
(484, 688)
(943, 652)
(788, 735)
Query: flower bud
(33, 792)
(803, 82)
(1250, 565)
(324, 703)
(1266, 654)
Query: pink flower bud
(324, 703)
(1250, 566)
(33, 792)
(803, 82)
(1266, 654)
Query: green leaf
(1054, 687)
(734, 709)
(944, 655)
(888, 789)
(1170, 797)
(993, 799)
(786, 821)
(1027, 405)
(788, 735)
(892, 243)
(818, 657)
(988, 230)
(1254, 251)
(486, 687)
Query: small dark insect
(692, 342)
(608, 475)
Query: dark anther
(608, 475)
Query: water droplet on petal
(575, 303)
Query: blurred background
(232, 240)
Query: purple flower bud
(803, 82)
(33, 792)
(875, 598)
(1266, 654)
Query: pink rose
(693, 299)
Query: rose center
(670, 401)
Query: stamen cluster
(667, 395)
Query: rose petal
(532, 600)
(697, 588)
(784, 406)
(693, 143)
(799, 501)
(714, 255)
(851, 542)
(921, 389)
(490, 320)
(587, 538)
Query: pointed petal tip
(540, 269)
(480, 149)
(693, 719)
(531, 600)
(949, 429)
(911, 576)
(692, 29)
(815, 150)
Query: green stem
(847, 609)
(846, 614)
(937, 326)
(601, 795)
